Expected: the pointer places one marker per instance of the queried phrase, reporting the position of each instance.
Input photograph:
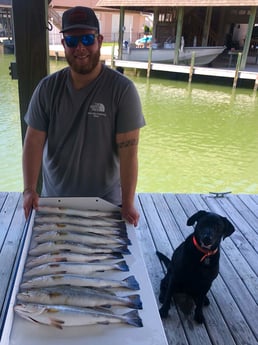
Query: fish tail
(134, 302)
(123, 250)
(117, 256)
(133, 318)
(121, 226)
(125, 240)
(122, 232)
(122, 266)
(131, 283)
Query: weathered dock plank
(12, 226)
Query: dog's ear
(229, 228)
(195, 217)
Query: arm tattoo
(127, 143)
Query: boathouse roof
(5, 3)
(175, 3)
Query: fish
(60, 316)
(57, 246)
(78, 212)
(74, 268)
(79, 280)
(63, 235)
(42, 219)
(80, 229)
(77, 296)
(69, 257)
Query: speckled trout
(100, 230)
(69, 257)
(74, 268)
(60, 316)
(80, 280)
(78, 296)
(57, 246)
(78, 212)
(42, 219)
(89, 239)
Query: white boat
(203, 55)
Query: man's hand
(30, 200)
(130, 215)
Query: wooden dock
(222, 67)
(231, 318)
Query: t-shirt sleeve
(129, 112)
(37, 112)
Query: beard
(93, 61)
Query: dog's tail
(163, 258)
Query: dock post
(191, 68)
(237, 69)
(256, 83)
(149, 61)
(113, 56)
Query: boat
(8, 45)
(203, 55)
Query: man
(83, 125)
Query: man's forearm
(128, 154)
(32, 157)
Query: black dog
(195, 263)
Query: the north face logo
(97, 107)
(97, 110)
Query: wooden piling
(149, 61)
(237, 70)
(191, 68)
(256, 83)
(113, 56)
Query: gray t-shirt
(80, 156)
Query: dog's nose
(207, 240)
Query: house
(134, 23)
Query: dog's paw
(163, 312)
(206, 301)
(198, 316)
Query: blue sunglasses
(73, 41)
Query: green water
(198, 139)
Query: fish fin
(134, 301)
(60, 225)
(53, 265)
(131, 283)
(127, 241)
(133, 318)
(63, 259)
(57, 277)
(62, 233)
(123, 250)
(56, 323)
(54, 294)
(103, 322)
(122, 266)
(51, 310)
(106, 306)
